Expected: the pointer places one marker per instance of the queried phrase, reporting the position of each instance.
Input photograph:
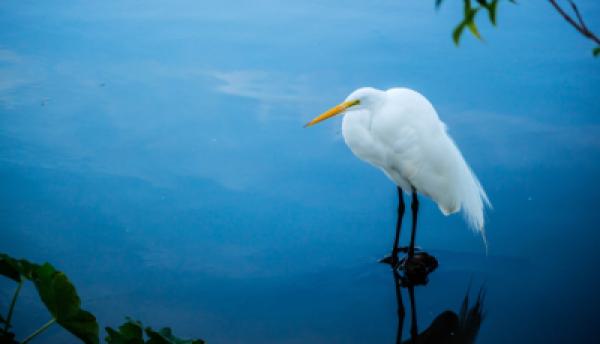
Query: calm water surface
(155, 153)
(226, 276)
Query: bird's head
(362, 98)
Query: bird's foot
(418, 267)
(391, 259)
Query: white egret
(399, 132)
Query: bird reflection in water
(446, 328)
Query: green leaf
(470, 21)
(458, 30)
(56, 292)
(129, 333)
(596, 51)
(473, 27)
(83, 325)
(8, 269)
(15, 269)
(60, 297)
(165, 336)
(492, 7)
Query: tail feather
(474, 200)
(468, 194)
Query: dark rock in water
(414, 270)
(417, 268)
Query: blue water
(155, 153)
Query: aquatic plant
(60, 297)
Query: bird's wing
(445, 176)
(421, 155)
(405, 153)
(418, 149)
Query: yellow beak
(332, 112)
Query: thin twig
(576, 10)
(38, 331)
(581, 27)
(12, 305)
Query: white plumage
(399, 131)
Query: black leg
(414, 330)
(401, 207)
(400, 306)
(414, 206)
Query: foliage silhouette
(60, 297)
(132, 332)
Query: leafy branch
(60, 297)
(579, 25)
(470, 12)
(473, 7)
